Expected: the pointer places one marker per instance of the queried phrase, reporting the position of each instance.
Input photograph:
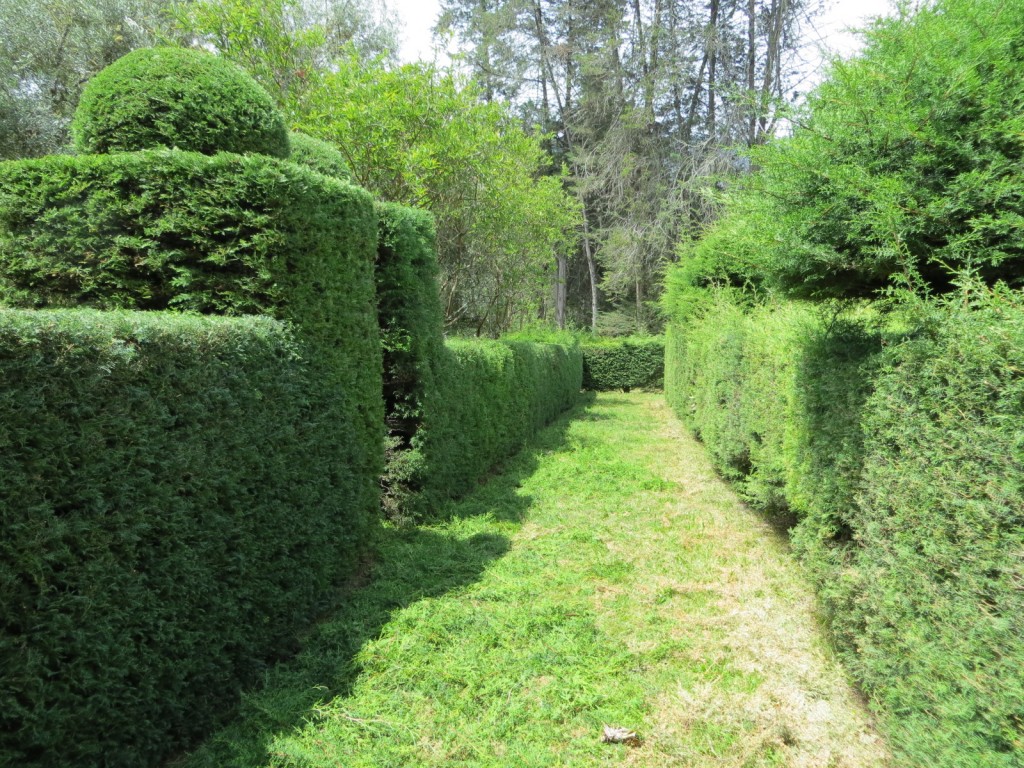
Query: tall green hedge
(901, 458)
(491, 397)
(632, 363)
(223, 234)
(170, 516)
(409, 312)
(410, 317)
(936, 592)
(227, 234)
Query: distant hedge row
(170, 515)
(902, 458)
(455, 408)
(623, 364)
(490, 398)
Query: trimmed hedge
(318, 155)
(456, 408)
(227, 234)
(224, 234)
(902, 460)
(935, 598)
(171, 515)
(410, 317)
(177, 99)
(491, 397)
(409, 312)
(624, 364)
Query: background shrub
(318, 156)
(632, 363)
(171, 515)
(178, 99)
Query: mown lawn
(605, 577)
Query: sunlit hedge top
(173, 97)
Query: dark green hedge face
(177, 98)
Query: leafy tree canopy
(904, 167)
(424, 138)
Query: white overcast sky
(419, 16)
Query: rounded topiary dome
(318, 155)
(175, 97)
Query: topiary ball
(318, 155)
(175, 97)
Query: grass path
(607, 576)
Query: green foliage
(934, 596)
(49, 50)
(422, 138)
(171, 512)
(630, 363)
(836, 364)
(730, 375)
(899, 455)
(178, 99)
(903, 168)
(287, 46)
(318, 156)
(412, 135)
(227, 234)
(491, 396)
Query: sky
(418, 18)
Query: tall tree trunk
(772, 83)
(640, 327)
(751, 70)
(645, 68)
(561, 292)
(713, 35)
(592, 268)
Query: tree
(905, 165)
(288, 45)
(638, 95)
(421, 137)
(48, 51)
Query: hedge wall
(902, 460)
(624, 364)
(409, 312)
(171, 515)
(491, 397)
(936, 594)
(410, 317)
(223, 234)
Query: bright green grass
(578, 588)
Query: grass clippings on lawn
(606, 580)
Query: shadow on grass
(410, 564)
